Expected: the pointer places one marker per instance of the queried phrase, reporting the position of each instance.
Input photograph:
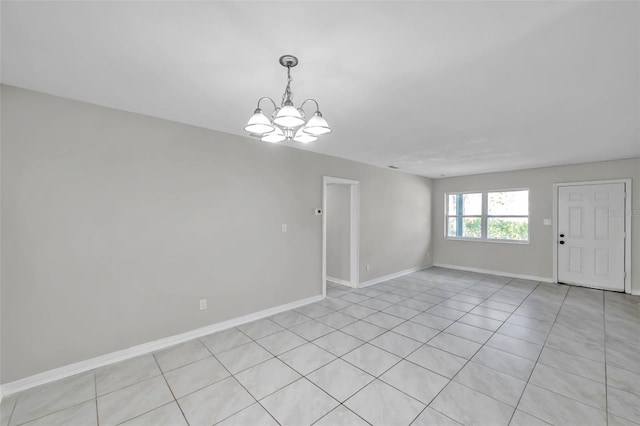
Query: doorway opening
(592, 229)
(340, 232)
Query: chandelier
(287, 122)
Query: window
(465, 215)
(489, 215)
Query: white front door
(591, 235)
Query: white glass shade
(317, 125)
(289, 116)
(259, 124)
(303, 137)
(274, 137)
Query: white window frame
(447, 216)
(484, 218)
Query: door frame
(627, 225)
(354, 225)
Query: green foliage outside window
(508, 229)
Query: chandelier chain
(287, 95)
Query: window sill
(481, 240)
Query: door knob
(561, 235)
(561, 242)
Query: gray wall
(338, 231)
(535, 258)
(114, 225)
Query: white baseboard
(391, 276)
(507, 274)
(341, 282)
(110, 358)
(492, 272)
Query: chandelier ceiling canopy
(287, 122)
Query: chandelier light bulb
(288, 116)
(259, 124)
(274, 137)
(303, 137)
(317, 125)
(287, 122)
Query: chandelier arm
(275, 106)
(310, 100)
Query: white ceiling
(435, 88)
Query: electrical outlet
(367, 268)
(203, 304)
(284, 227)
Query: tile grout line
(238, 381)
(247, 390)
(340, 405)
(136, 383)
(543, 346)
(401, 358)
(302, 376)
(606, 378)
(13, 409)
(49, 413)
(496, 332)
(538, 358)
(169, 387)
(502, 286)
(369, 342)
(564, 351)
(565, 396)
(441, 331)
(469, 360)
(408, 320)
(95, 390)
(576, 374)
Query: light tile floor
(435, 347)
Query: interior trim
(145, 348)
(391, 276)
(339, 281)
(492, 272)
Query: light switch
(284, 227)
(547, 222)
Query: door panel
(591, 235)
(575, 222)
